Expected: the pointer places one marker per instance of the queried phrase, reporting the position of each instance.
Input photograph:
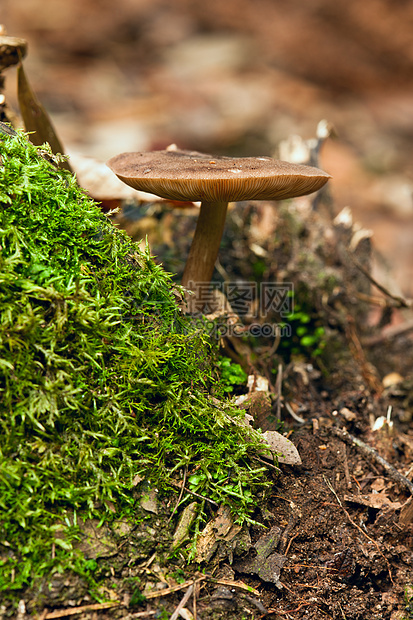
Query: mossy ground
(103, 381)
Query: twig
(284, 536)
(359, 355)
(292, 413)
(176, 588)
(342, 612)
(225, 582)
(388, 334)
(290, 611)
(176, 484)
(275, 344)
(182, 603)
(267, 463)
(290, 543)
(234, 584)
(315, 566)
(374, 301)
(372, 455)
(194, 599)
(346, 469)
(400, 301)
(143, 614)
(191, 585)
(181, 492)
(375, 543)
(278, 387)
(62, 613)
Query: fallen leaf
(96, 542)
(100, 182)
(149, 501)
(221, 527)
(266, 564)
(182, 529)
(374, 500)
(406, 513)
(286, 450)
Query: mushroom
(215, 181)
(12, 50)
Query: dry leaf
(182, 529)
(374, 500)
(280, 445)
(100, 182)
(266, 564)
(220, 528)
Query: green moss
(232, 375)
(101, 377)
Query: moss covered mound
(102, 380)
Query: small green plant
(307, 335)
(179, 575)
(408, 599)
(220, 481)
(232, 374)
(137, 598)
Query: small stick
(176, 484)
(358, 353)
(375, 543)
(234, 584)
(62, 613)
(267, 463)
(284, 536)
(182, 603)
(357, 482)
(144, 614)
(400, 301)
(181, 492)
(342, 612)
(388, 334)
(176, 588)
(290, 611)
(194, 599)
(290, 543)
(278, 387)
(372, 455)
(292, 413)
(345, 466)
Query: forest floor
(335, 537)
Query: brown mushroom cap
(188, 175)
(12, 50)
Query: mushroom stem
(205, 244)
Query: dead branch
(400, 302)
(371, 455)
(388, 334)
(182, 603)
(62, 613)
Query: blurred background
(238, 77)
